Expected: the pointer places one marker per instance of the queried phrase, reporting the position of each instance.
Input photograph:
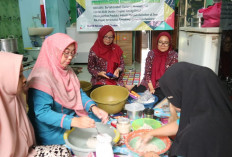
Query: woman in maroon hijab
(157, 62)
(106, 57)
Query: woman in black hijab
(205, 126)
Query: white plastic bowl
(77, 137)
(33, 51)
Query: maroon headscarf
(111, 53)
(158, 65)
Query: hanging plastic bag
(211, 15)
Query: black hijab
(205, 128)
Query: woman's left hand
(116, 72)
(101, 114)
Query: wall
(57, 12)
(58, 15)
(28, 8)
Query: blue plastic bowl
(146, 105)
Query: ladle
(97, 131)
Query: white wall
(56, 12)
(85, 41)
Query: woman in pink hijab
(56, 102)
(17, 137)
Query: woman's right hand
(151, 88)
(146, 137)
(152, 91)
(83, 122)
(103, 74)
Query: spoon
(97, 131)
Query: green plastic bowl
(110, 98)
(140, 122)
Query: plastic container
(137, 124)
(134, 110)
(111, 98)
(148, 113)
(123, 125)
(76, 138)
(163, 143)
(33, 51)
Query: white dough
(92, 142)
(146, 126)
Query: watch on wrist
(90, 109)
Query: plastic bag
(146, 97)
(211, 15)
(104, 147)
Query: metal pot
(9, 44)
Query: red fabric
(158, 65)
(42, 12)
(211, 15)
(111, 53)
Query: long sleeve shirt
(172, 59)
(49, 118)
(97, 64)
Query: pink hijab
(16, 131)
(50, 77)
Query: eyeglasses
(163, 43)
(109, 38)
(67, 53)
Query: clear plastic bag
(145, 98)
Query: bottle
(148, 113)
(123, 125)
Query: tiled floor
(85, 75)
